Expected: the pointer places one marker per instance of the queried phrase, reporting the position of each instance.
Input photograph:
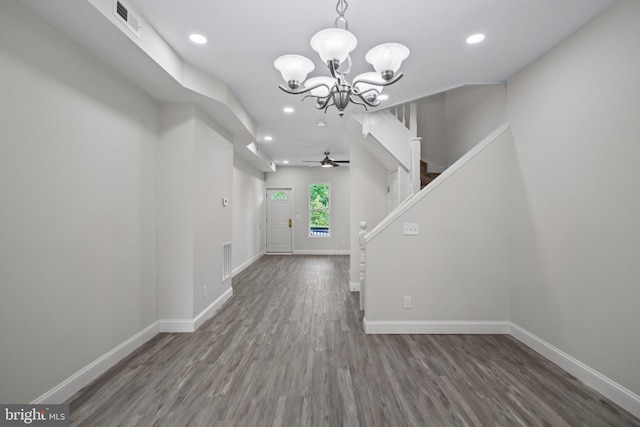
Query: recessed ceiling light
(288, 109)
(268, 138)
(198, 38)
(383, 97)
(285, 162)
(475, 38)
(322, 123)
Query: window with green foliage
(319, 215)
(279, 195)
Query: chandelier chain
(341, 8)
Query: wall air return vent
(226, 261)
(122, 12)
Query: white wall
(213, 173)
(175, 212)
(432, 130)
(455, 269)
(77, 216)
(453, 122)
(369, 180)
(112, 221)
(195, 171)
(575, 118)
(248, 204)
(471, 113)
(299, 178)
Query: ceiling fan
(327, 162)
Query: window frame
(316, 231)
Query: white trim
(239, 269)
(210, 311)
(354, 286)
(84, 376)
(192, 325)
(266, 217)
(594, 379)
(410, 202)
(435, 327)
(176, 326)
(322, 252)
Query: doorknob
(290, 223)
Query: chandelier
(334, 46)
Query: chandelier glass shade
(334, 46)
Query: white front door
(279, 220)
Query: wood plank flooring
(289, 350)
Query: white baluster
(413, 119)
(404, 115)
(361, 234)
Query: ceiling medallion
(334, 46)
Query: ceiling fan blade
(342, 161)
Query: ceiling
(245, 37)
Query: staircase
(426, 177)
(395, 144)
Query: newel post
(363, 244)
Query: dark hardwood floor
(289, 350)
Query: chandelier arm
(318, 98)
(321, 101)
(329, 101)
(362, 94)
(305, 90)
(364, 103)
(332, 69)
(377, 83)
(364, 100)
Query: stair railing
(407, 114)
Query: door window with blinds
(319, 210)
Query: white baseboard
(594, 379)
(322, 252)
(435, 327)
(354, 286)
(84, 376)
(192, 325)
(246, 264)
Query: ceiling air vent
(122, 11)
(128, 19)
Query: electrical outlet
(411, 229)
(408, 303)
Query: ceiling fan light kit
(334, 46)
(327, 162)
